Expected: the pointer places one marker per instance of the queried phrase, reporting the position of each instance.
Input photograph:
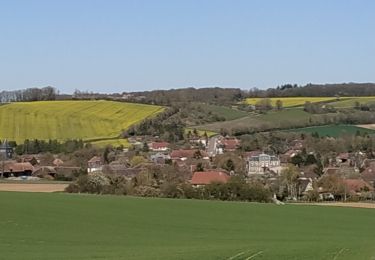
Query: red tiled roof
(231, 144)
(356, 185)
(204, 178)
(186, 153)
(159, 145)
(18, 167)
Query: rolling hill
(63, 120)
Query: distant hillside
(316, 90)
(70, 119)
(223, 96)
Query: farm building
(95, 164)
(15, 169)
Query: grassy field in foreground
(334, 130)
(65, 226)
(70, 119)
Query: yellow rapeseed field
(300, 101)
(293, 101)
(70, 119)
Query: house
(356, 186)
(200, 141)
(230, 144)
(33, 159)
(304, 185)
(213, 147)
(261, 163)
(160, 158)
(95, 164)
(343, 158)
(57, 162)
(15, 169)
(158, 146)
(207, 177)
(182, 155)
(288, 155)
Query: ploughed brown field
(33, 187)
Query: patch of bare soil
(369, 126)
(348, 204)
(31, 187)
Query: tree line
(36, 146)
(315, 90)
(29, 94)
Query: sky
(116, 46)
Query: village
(204, 160)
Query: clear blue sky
(114, 46)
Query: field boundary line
(254, 255)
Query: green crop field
(226, 112)
(350, 102)
(64, 226)
(334, 130)
(70, 119)
(273, 119)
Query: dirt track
(369, 126)
(28, 187)
(348, 204)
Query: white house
(258, 164)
